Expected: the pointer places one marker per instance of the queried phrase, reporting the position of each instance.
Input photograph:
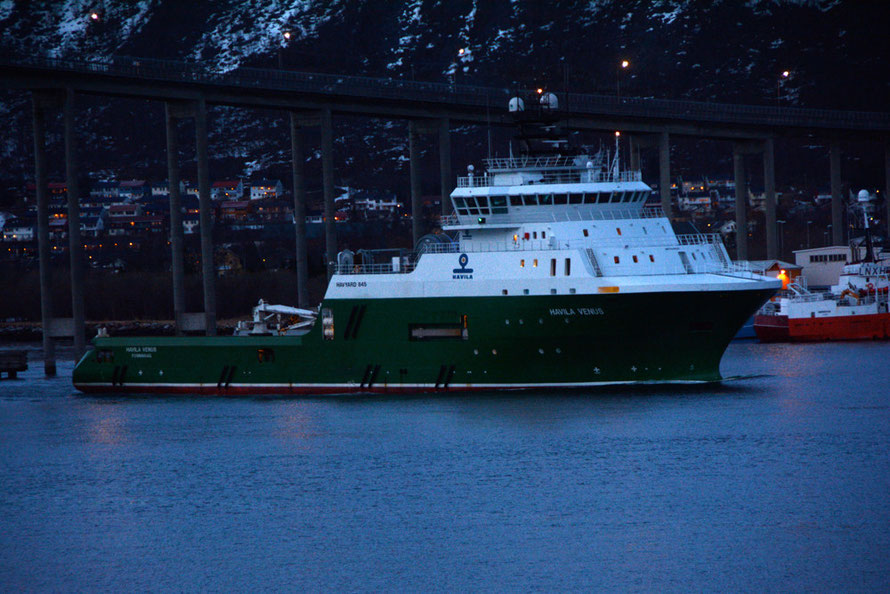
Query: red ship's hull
(777, 328)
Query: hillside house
(227, 190)
(266, 188)
(134, 189)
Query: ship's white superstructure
(550, 225)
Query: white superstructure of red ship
(854, 309)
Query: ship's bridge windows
(560, 199)
(460, 205)
(265, 355)
(104, 356)
(498, 205)
(576, 198)
(530, 199)
(616, 197)
(515, 200)
(545, 199)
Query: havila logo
(462, 272)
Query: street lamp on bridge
(285, 37)
(785, 75)
(623, 65)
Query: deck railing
(577, 176)
(558, 214)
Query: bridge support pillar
(302, 258)
(40, 173)
(769, 186)
(75, 246)
(837, 204)
(416, 206)
(208, 268)
(634, 146)
(447, 179)
(741, 203)
(176, 232)
(664, 172)
(327, 174)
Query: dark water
(776, 482)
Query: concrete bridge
(312, 100)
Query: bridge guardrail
(457, 95)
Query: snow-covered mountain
(719, 50)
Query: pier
(12, 362)
(310, 100)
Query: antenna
(615, 165)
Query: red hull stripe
(862, 327)
(307, 389)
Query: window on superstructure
(560, 199)
(586, 234)
(618, 229)
(568, 267)
(515, 200)
(617, 260)
(471, 206)
(535, 263)
(534, 234)
(522, 263)
(552, 266)
(482, 201)
(651, 258)
(265, 355)
(635, 259)
(543, 235)
(545, 198)
(530, 199)
(576, 198)
(498, 205)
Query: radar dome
(549, 101)
(516, 104)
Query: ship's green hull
(432, 344)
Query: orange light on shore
(539, 90)
(783, 276)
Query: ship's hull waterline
(444, 344)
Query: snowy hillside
(836, 51)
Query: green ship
(551, 273)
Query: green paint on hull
(555, 340)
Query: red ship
(854, 309)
